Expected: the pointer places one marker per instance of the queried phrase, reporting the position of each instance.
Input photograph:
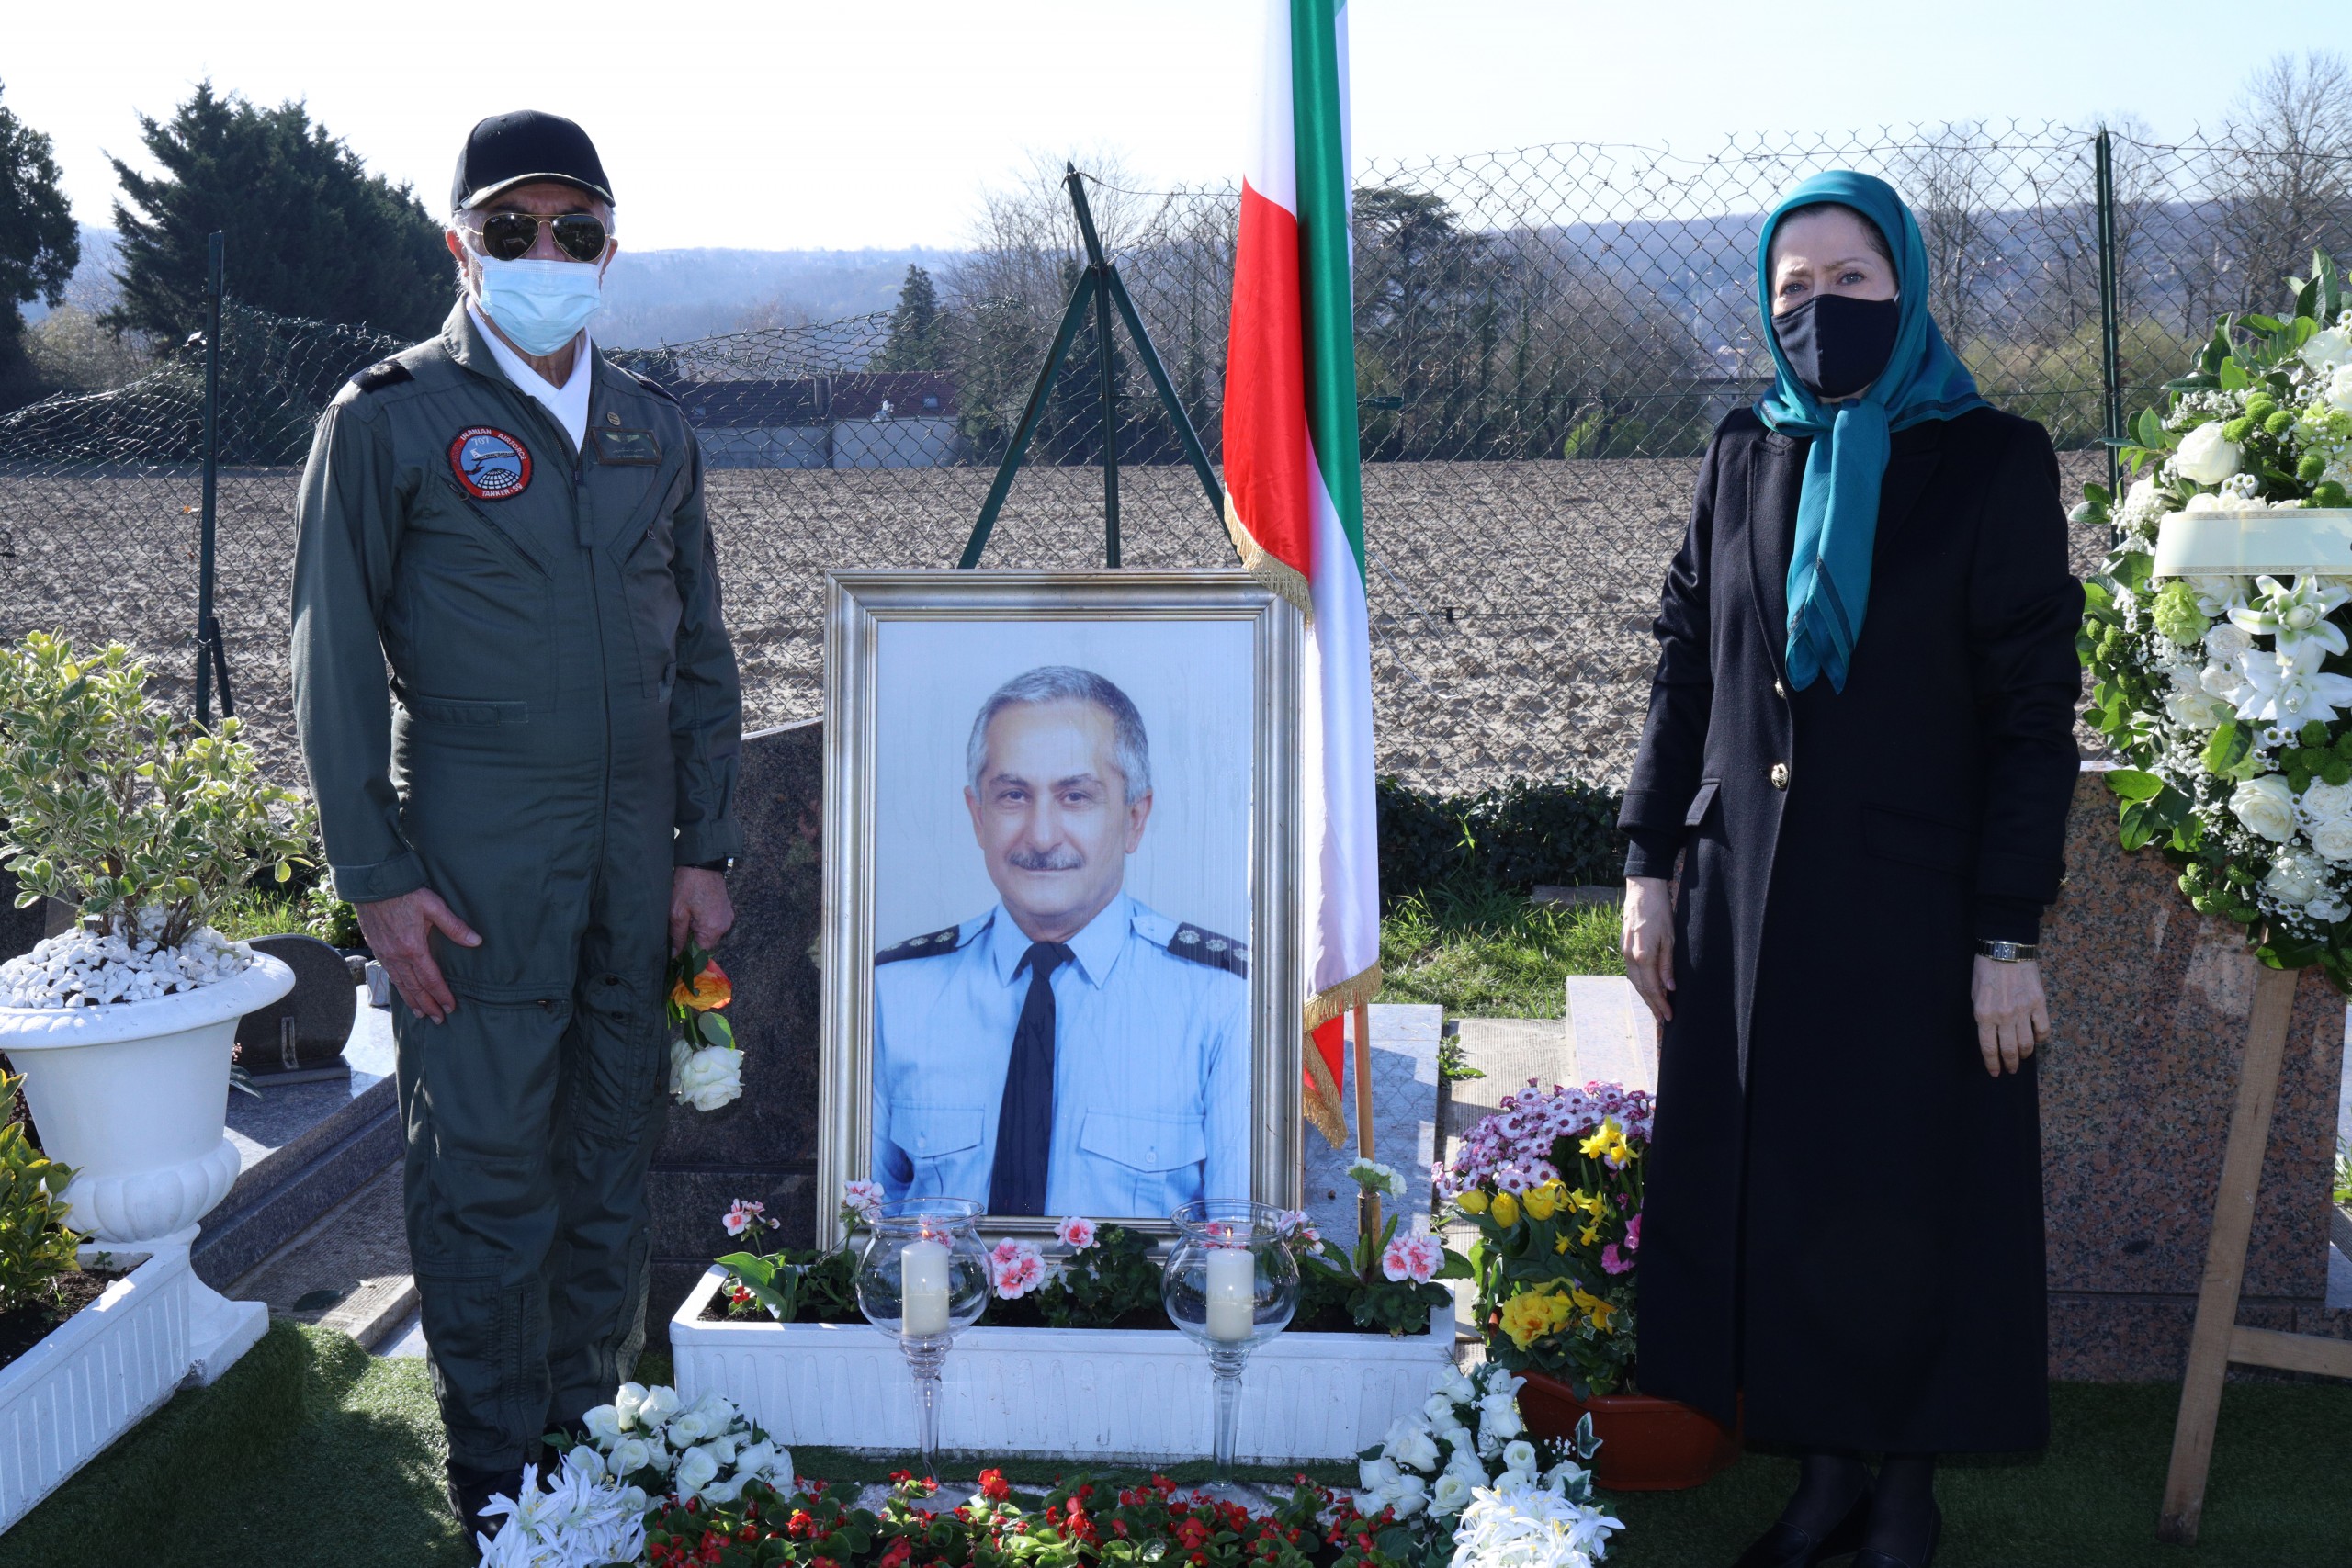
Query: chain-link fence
(1545, 340)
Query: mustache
(1063, 858)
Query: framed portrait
(1061, 839)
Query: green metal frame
(1100, 290)
(210, 657)
(2109, 334)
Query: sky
(785, 125)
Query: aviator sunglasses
(509, 236)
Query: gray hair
(1067, 683)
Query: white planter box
(1131, 1396)
(93, 1379)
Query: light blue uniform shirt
(1151, 1063)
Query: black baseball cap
(508, 149)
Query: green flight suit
(559, 730)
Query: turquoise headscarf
(1829, 572)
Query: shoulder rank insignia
(659, 391)
(385, 373)
(1208, 947)
(928, 946)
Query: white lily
(2297, 616)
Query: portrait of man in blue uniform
(1068, 1050)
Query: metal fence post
(208, 630)
(2110, 358)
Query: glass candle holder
(1231, 1283)
(923, 1280)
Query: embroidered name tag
(636, 448)
(490, 464)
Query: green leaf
(2266, 325)
(2306, 297)
(776, 1286)
(2151, 430)
(2233, 376)
(716, 1030)
(2133, 785)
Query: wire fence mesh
(1546, 339)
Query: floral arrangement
(2232, 698)
(798, 1285)
(706, 1065)
(1468, 1443)
(1530, 1528)
(1553, 1181)
(1100, 1276)
(1389, 1282)
(584, 1519)
(148, 824)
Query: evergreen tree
(914, 343)
(308, 230)
(39, 246)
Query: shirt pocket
(928, 1134)
(1158, 1158)
(649, 586)
(471, 606)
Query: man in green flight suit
(515, 527)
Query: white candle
(923, 1289)
(1232, 1293)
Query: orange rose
(705, 991)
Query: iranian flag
(1293, 495)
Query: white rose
(633, 1499)
(2196, 710)
(1408, 1494)
(583, 1461)
(657, 1406)
(1372, 1474)
(1465, 1464)
(1449, 1496)
(725, 1491)
(2266, 806)
(754, 1458)
(631, 1455)
(697, 1469)
(1460, 1390)
(1414, 1449)
(706, 1078)
(2206, 456)
(2292, 880)
(2324, 351)
(2339, 389)
(1439, 1409)
(2332, 839)
(2325, 802)
(628, 1402)
(604, 1423)
(687, 1429)
(723, 1447)
(2226, 641)
(1499, 1418)
(1520, 1455)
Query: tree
(308, 230)
(914, 343)
(2287, 167)
(39, 246)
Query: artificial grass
(312, 1454)
(1484, 953)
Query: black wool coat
(1842, 1224)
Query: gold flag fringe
(1271, 570)
(1324, 1109)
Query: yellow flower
(1599, 1311)
(1505, 1210)
(1544, 1201)
(1534, 1313)
(1561, 1245)
(1473, 1202)
(1596, 1146)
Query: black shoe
(470, 1489)
(1786, 1546)
(1888, 1560)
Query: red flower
(993, 1486)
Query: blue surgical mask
(539, 305)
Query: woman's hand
(2011, 1017)
(1647, 939)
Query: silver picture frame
(858, 605)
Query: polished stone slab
(2149, 1004)
(1611, 1032)
(764, 1146)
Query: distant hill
(656, 296)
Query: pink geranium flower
(742, 1215)
(1414, 1257)
(1077, 1232)
(1016, 1269)
(1633, 1235)
(863, 1198)
(1615, 1262)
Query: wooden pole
(1368, 1204)
(2217, 1300)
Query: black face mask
(1839, 345)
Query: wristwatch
(2009, 951)
(721, 865)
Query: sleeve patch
(1205, 947)
(386, 373)
(929, 946)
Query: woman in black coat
(1861, 749)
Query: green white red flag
(1294, 493)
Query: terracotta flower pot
(1647, 1444)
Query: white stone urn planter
(1129, 1396)
(134, 1097)
(96, 1376)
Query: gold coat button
(1780, 775)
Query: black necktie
(1024, 1119)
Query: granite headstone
(319, 1008)
(764, 1146)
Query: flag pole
(1368, 1204)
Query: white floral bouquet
(581, 1518)
(2231, 697)
(1467, 1442)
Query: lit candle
(923, 1289)
(1232, 1293)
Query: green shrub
(35, 1245)
(1517, 838)
(117, 806)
